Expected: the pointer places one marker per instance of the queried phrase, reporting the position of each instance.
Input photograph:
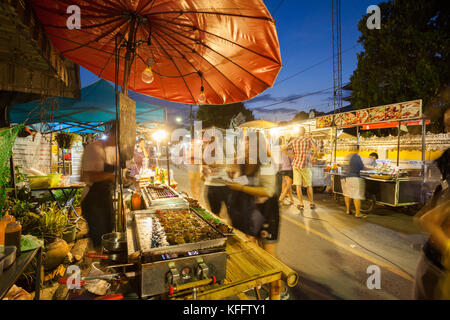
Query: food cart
(385, 185)
(176, 249)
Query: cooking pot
(114, 241)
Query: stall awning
(97, 105)
(394, 124)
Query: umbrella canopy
(258, 124)
(227, 47)
(97, 104)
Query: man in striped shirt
(301, 165)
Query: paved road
(332, 251)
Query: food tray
(143, 233)
(382, 177)
(214, 221)
(160, 194)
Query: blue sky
(304, 33)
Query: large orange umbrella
(228, 48)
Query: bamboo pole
(398, 144)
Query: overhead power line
(298, 97)
(312, 66)
(278, 7)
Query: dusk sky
(304, 33)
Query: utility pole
(191, 118)
(337, 62)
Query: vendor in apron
(98, 168)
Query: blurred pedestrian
(98, 171)
(432, 279)
(287, 175)
(194, 172)
(215, 191)
(140, 153)
(253, 203)
(302, 147)
(447, 120)
(353, 186)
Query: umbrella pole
(129, 57)
(398, 144)
(424, 134)
(168, 162)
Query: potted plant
(65, 140)
(52, 222)
(70, 232)
(77, 201)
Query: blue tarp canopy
(96, 106)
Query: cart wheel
(368, 205)
(411, 210)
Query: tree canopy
(407, 59)
(303, 115)
(221, 115)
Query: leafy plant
(25, 214)
(52, 222)
(77, 199)
(23, 192)
(18, 208)
(20, 176)
(65, 140)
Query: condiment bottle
(13, 233)
(136, 201)
(3, 222)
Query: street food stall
(386, 184)
(182, 251)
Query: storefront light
(159, 135)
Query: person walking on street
(194, 171)
(301, 165)
(215, 190)
(286, 173)
(432, 279)
(353, 186)
(98, 171)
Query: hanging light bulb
(201, 96)
(147, 75)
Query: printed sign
(33, 152)
(127, 120)
(393, 112)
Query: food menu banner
(392, 112)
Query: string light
(147, 75)
(201, 96)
